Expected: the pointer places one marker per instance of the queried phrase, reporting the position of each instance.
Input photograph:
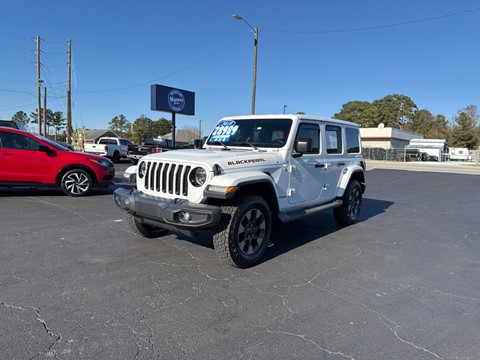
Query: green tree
(58, 122)
(360, 112)
(48, 116)
(21, 117)
(34, 116)
(142, 128)
(429, 125)
(395, 110)
(121, 126)
(163, 127)
(465, 130)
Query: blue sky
(313, 56)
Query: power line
(16, 91)
(16, 80)
(16, 47)
(16, 35)
(170, 74)
(376, 27)
(409, 22)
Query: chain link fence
(387, 154)
(403, 154)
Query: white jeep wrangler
(251, 169)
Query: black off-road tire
(348, 213)
(145, 230)
(76, 182)
(243, 233)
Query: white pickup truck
(110, 147)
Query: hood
(80, 155)
(234, 158)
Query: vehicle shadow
(30, 191)
(289, 236)
(54, 191)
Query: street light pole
(255, 50)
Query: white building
(386, 137)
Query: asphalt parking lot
(403, 283)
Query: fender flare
(349, 173)
(248, 178)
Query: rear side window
(353, 144)
(333, 136)
(108, 142)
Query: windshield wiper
(225, 147)
(249, 144)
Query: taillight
(106, 148)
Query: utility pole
(39, 91)
(45, 111)
(255, 48)
(69, 94)
(254, 82)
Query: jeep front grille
(167, 178)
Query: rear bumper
(177, 213)
(99, 153)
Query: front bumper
(135, 156)
(106, 176)
(177, 213)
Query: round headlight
(142, 169)
(198, 176)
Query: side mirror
(197, 143)
(302, 146)
(47, 150)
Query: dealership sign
(164, 98)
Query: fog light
(123, 204)
(184, 217)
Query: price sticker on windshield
(224, 130)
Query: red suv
(30, 160)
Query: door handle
(319, 165)
(341, 164)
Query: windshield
(54, 143)
(271, 133)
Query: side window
(5, 141)
(18, 141)
(308, 139)
(333, 137)
(353, 144)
